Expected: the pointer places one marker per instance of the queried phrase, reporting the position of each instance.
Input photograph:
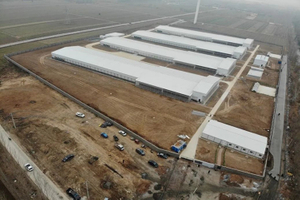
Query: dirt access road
(48, 130)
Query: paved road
(278, 124)
(50, 190)
(190, 151)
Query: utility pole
(197, 11)
(12, 117)
(87, 190)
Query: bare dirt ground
(243, 162)
(48, 129)
(142, 111)
(247, 110)
(206, 151)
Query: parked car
(104, 135)
(93, 159)
(119, 146)
(140, 151)
(136, 141)
(153, 163)
(73, 194)
(68, 158)
(162, 155)
(106, 124)
(122, 133)
(28, 167)
(79, 114)
(116, 138)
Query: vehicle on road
(116, 138)
(122, 133)
(153, 163)
(79, 114)
(28, 167)
(119, 146)
(73, 194)
(140, 151)
(137, 141)
(68, 158)
(104, 135)
(162, 155)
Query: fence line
(99, 114)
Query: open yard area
(157, 118)
(243, 162)
(247, 110)
(48, 130)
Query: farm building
(255, 72)
(169, 82)
(235, 138)
(191, 44)
(221, 66)
(210, 37)
(261, 60)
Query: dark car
(153, 163)
(68, 158)
(162, 155)
(106, 124)
(116, 138)
(73, 194)
(140, 151)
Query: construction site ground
(48, 129)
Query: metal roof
(262, 58)
(187, 57)
(158, 76)
(236, 136)
(191, 43)
(205, 36)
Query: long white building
(235, 138)
(173, 83)
(221, 66)
(210, 37)
(192, 44)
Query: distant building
(213, 64)
(210, 48)
(114, 34)
(255, 72)
(204, 36)
(261, 61)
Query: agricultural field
(42, 18)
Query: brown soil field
(157, 118)
(247, 110)
(239, 161)
(206, 151)
(48, 129)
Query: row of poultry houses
(217, 59)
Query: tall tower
(197, 11)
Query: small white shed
(261, 60)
